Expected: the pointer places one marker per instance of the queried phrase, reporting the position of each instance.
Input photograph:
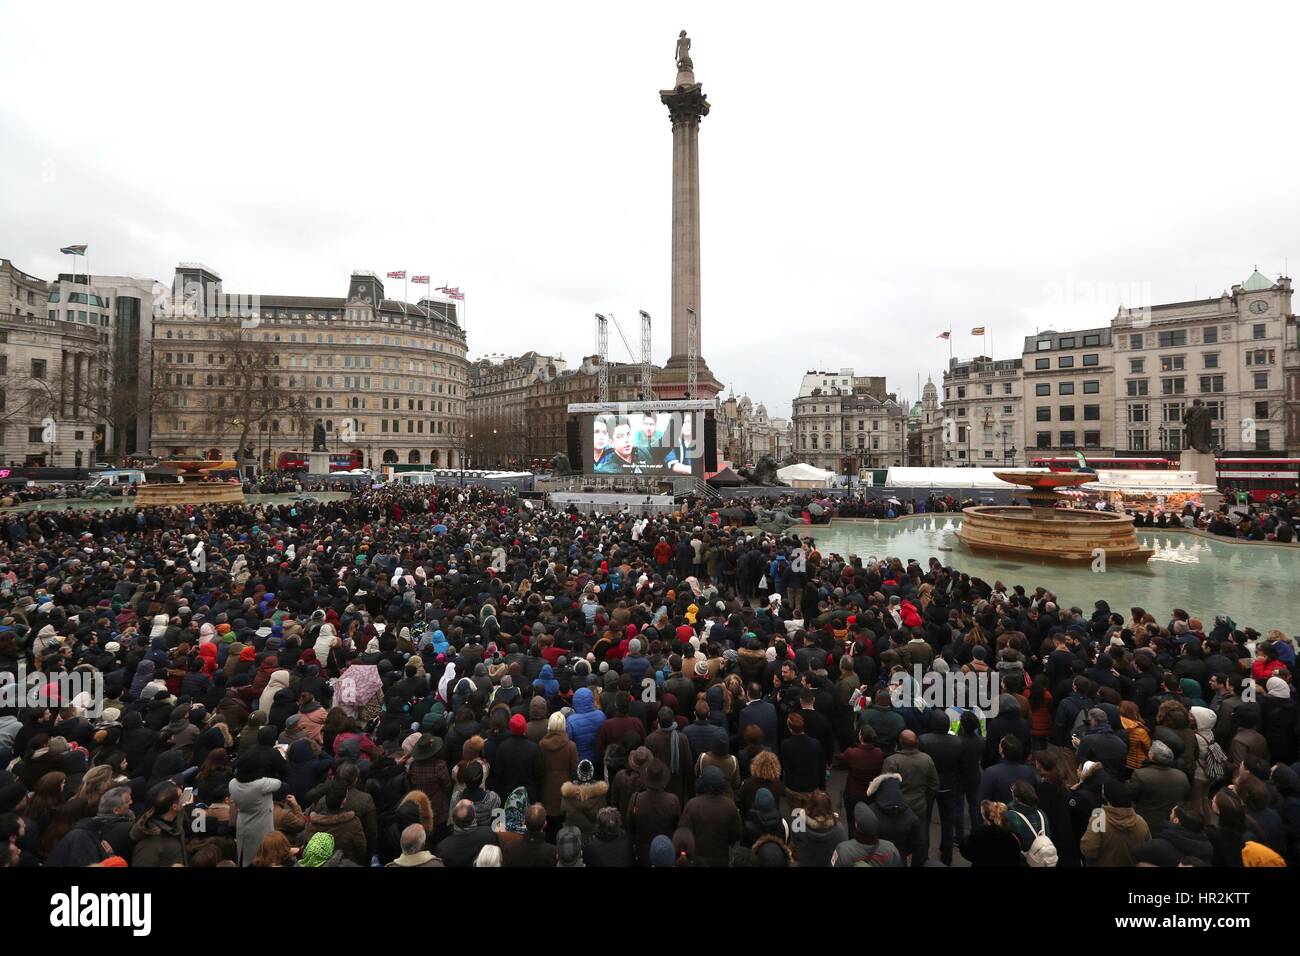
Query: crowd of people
(451, 677)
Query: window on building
(35, 434)
(1043, 388)
(1259, 331)
(1043, 345)
(1139, 413)
(1091, 358)
(1065, 361)
(1137, 386)
(1172, 363)
(1067, 342)
(1092, 413)
(1174, 338)
(1067, 439)
(1091, 340)
(1041, 363)
(1173, 386)
(1043, 440)
(1261, 408)
(38, 368)
(1065, 388)
(1137, 366)
(1211, 383)
(1066, 413)
(1043, 413)
(1262, 439)
(1135, 340)
(1092, 387)
(1211, 359)
(1261, 379)
(1138, 439)
(1092, 439)
(1210, 336)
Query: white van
(114, 482)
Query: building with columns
(548, 402)
(387, 379)
(844, 422)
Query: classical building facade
(1069, 386)
(498, 405)
(49, 369)
(845, 423)
(982, 413)
(1234, 352)
(927, 419)
(388, 380)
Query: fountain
(197, 490)
(1042, 530)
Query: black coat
(616, 852)
(517, 763)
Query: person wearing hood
(1180, 837)
(763, 819)
(1100, 743)
(583, 725)
(1111, 840)
(279, 680)
(582, 799)
(1278, 720)
(713, 819)
(609, 845)
(898, 823)
(306, 769)
(159, 835)
(545, 683)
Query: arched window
(413, 458)
(390, 456)
(433, 458)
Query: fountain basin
(1064, 534)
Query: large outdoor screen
(663, 444)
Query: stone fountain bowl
(1062, 534)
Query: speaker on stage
(710, 442)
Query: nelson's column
(686, 104)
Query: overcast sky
(870, 174)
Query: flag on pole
(978, 330)
(73, 250)
(420, 280)
(452, 292)
(397, 275)
(945, 335)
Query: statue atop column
(318, 437)
(1196, 427)
(684, 52)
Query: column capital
(686, 104)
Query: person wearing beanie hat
(518, 762)
(661, 851)
(1257, 854)
(865, 846)
(1157, 788)
(318, 851)
(1109, 841)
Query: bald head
(907, 740)
(413, 838)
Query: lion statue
(763, 473)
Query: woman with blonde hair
(992, 843)
(488, 856)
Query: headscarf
(516, 804)
(318, 850)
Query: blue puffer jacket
(584, 723)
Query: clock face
(1259, 307)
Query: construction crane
(602, 356)
(647, 393)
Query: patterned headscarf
(318, 850)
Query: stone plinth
(1203, 463)
(318, 463)
(1063, 534)
(188, 493)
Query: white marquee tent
(806, 476)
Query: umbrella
(732, 512)
(440, 529)
(816, 510)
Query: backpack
(1042, 852)
(1213, 761)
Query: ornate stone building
(387, 379)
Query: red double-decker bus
(1258, 477)
(339, 461)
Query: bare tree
(247, 391)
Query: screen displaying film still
(652, 444)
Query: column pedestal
(1202, 462)
(318, 463)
